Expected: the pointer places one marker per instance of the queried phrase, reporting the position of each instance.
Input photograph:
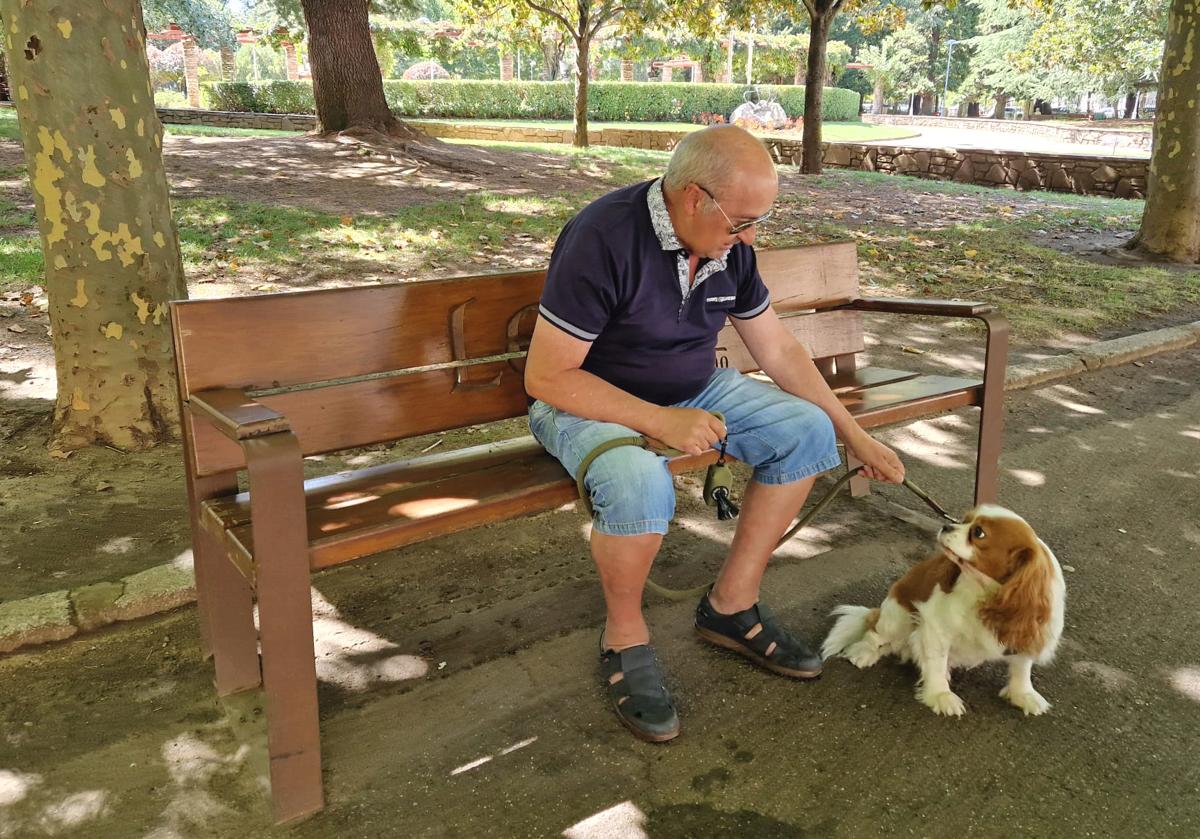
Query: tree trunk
(1001, 104)
(93, 150)
(5, 95)
(1130, 103)
(582, 66)
(813, 89)
(877, 97)
(552, 56)
(347, 82)
(228, 64)
(973, 109)
(1171, 222)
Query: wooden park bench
(266, 380)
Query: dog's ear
(1019, 611)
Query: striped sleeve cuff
(569, 328)
(750, 313)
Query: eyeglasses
(734, 229)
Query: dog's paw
(1031, 702)
(862, 654)
(947, 704)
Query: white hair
(714, 157)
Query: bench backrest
(330, 360)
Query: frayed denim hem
(633, 528)
(798, 474)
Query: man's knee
(632, 491)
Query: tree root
(406, 145)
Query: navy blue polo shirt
(618, 278)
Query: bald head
(717, 157)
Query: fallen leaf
(347, 220)
(16, 327)
(970, 253)
(103, 486)
(912, 350)
(58, 454)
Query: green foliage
(607, 101)
(208, 21)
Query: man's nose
(747, 235)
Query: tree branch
(605, 16)
(548, 11)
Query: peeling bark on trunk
(347, 82)
(1171, 222)
(814, 90)
(93, 148)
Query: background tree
(582, 21)
(92, 144)
(1171, 222)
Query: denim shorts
(782, 436)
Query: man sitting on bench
(639, 284)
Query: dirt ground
(127, 510)
(460, 697)
(480, 645)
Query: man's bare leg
(624, 563)
(767, 510)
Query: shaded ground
(459, 693)
(127, 511)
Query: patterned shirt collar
(661, 219)
(665, 231)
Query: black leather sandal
(755, 634)
(637, 688)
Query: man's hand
(880, 462)
(691, 430)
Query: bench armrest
(920, 306)
(235, 414)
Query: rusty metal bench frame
(268, 379)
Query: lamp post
(950, 42)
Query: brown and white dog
(993, 591)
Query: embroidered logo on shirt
(721, 299)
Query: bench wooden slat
(328, 334)
(355, 514)
(405, 504)
(332, 418)
(274, 340)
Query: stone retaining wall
(660, 140)
(234, 119)
(1116, 138)
(1105, 176)
(1086, 175)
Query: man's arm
(553, 375)
(789, 365)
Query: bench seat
(361, 512)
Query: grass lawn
(992, 250)
(843, 132)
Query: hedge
(607, 101)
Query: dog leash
(688, 593)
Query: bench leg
(991, 411)
(225, 599)
(285, 624)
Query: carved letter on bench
(518, 331)
(458, 344)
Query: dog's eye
(977, 532)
